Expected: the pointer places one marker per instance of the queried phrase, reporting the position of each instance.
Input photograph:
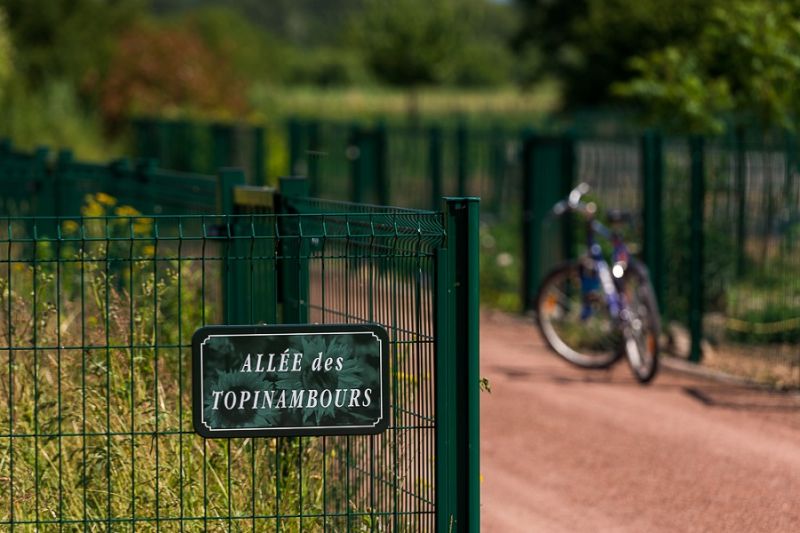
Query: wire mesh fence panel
(676, 219)
(613, 169)
(189, 146)
(330, 153)
(409, 167)
(382, 274)
(494, 173)
(96, 318)
(752, 258)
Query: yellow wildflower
(126, 211)
(92, 209)
(142, 226)
(106, 199)
(69, 226)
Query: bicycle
(591, 313)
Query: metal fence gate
(96, 318)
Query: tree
(65, 39)
(427, 42)
(161, 69)
(745, 64)
(252, 53)
(5, 53)
(304, 23)
(588, 44)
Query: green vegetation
(744, 63)
(589, 43)
(106, 416)
(5, 53)
(691, 65)
(419, 42)
(501, 266)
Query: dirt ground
(569, 450)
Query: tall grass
(95, 426)
(365, 103)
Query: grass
(350, 104)
(95, 427)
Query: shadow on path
(744, 399)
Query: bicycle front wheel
(644, 323)
(574, 319)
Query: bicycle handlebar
(573, 202)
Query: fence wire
(96, 318)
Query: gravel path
(563, 449)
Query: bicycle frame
(634, 314)
(595, 253)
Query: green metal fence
(715, 219)
(21, 176)
(410, 165)
(199, 147)
(36, 184)
(96, 318)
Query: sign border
(204, 333)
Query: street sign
(290, 380)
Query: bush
(157, 69)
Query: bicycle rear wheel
(573, 317)
(644, 324)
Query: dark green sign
(262, 381)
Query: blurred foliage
(302, 24)
(5, 53)
(745, 62)
(54, 116)
(251, 53)
(428, 42)
(167, 69)
(500, 266)
(690, 63)
(327, 67)
(589, 43)
(509, 106)
(66, 40)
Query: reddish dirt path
(563, 449)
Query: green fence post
(296, 166)
(497, 166)
(43, 198)
(457, 371)
(531, 238)
(222, 139)
(791, 162)
(548, 167)
(652, 215)
(162, 135)
(66, 203)
(566, 176)
(696, 246)
(259, 155)
(462, 158)
(293, 250)
(357, 178)
(179, 146)
(234, 293)
(435, 165)
(313, 155)
(145, 173)
(145, 137)
(741, 198)
(381, 164)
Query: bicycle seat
(617, 216)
